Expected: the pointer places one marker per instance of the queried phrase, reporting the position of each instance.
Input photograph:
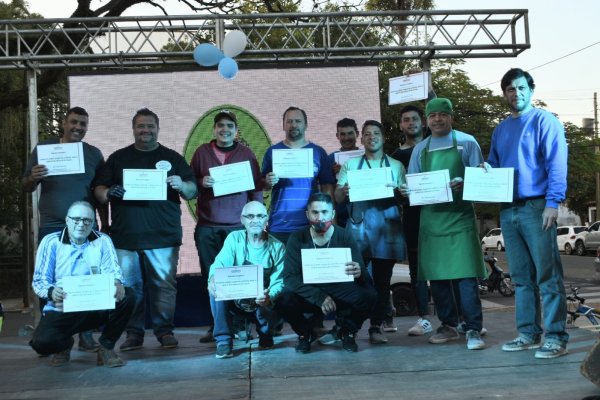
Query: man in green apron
(449, 252)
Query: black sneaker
(303, 344)
(349, 342)
(265, 342)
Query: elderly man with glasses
(251, 246)
(78, 250)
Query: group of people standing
(440, 241)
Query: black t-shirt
(141, 224)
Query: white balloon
(234, 43)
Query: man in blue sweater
(532, 141)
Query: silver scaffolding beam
(272, 38)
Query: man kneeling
(352, 300)
(251, 246)
(77, 250)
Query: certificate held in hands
(370, 184)
(429, 187)
(145, 184)
(232, 178)
(326, 265)
(293, 163)
(495, 185)
(89, 292)
(240, 282)
(62, 158)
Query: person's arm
(186, 189)
(109, 262)
(257, 193)
(342, 189)
(292, 272)
(555, 152)
(44, 280)
(269, 179)
(276, 279)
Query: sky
(566, 83)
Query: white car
(566, 237)
(493, 240)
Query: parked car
(493, 240)
(588, 239)
(566, 237)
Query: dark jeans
(353, 305)
(381, 269)
(55, 330)
(411, 219)
(466, 301)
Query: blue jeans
(265, 319)
(447, 303)
(156, 269)
(535, 268)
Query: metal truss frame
(124, 42)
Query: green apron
(448, 236)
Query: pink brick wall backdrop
(181, 98)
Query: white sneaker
(421, 327)
(461, 329)
(474, 341)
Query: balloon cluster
(208, 55)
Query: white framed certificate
(404, 89)
(89, 292)
(62, 158)
(494, 185)
(293, 163)
(429, 187)
(239, 282)
(342, 156)
(145, 184)
(232, 178)
(370, 184)
(326, 265)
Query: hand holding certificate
(240, 282)
(429, 187)
(326, 265)
(494, 185)
(232, 178)
(293, 163)
(370, 184)
(145, 184)
(89, 292)
(62, 158)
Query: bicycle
(576, 308)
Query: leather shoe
(87, 342)
(168, 341)
(132, 342)
(63, 357)
(109, 358)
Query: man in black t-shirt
(147, 233)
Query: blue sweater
(534, 145)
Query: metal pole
(33, 140)
(597, 152)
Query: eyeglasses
(253, 216)
(85, 221)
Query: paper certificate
(370, 184)
(62, 158)
(145, 184)
(429, 187)
(89, 292)
(293, 163)
(326, 265)
(342, 156)
(495, 185)
(241, 282)
(405, 89)
(232, 178)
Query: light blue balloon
(228, 68)
(207, 55)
